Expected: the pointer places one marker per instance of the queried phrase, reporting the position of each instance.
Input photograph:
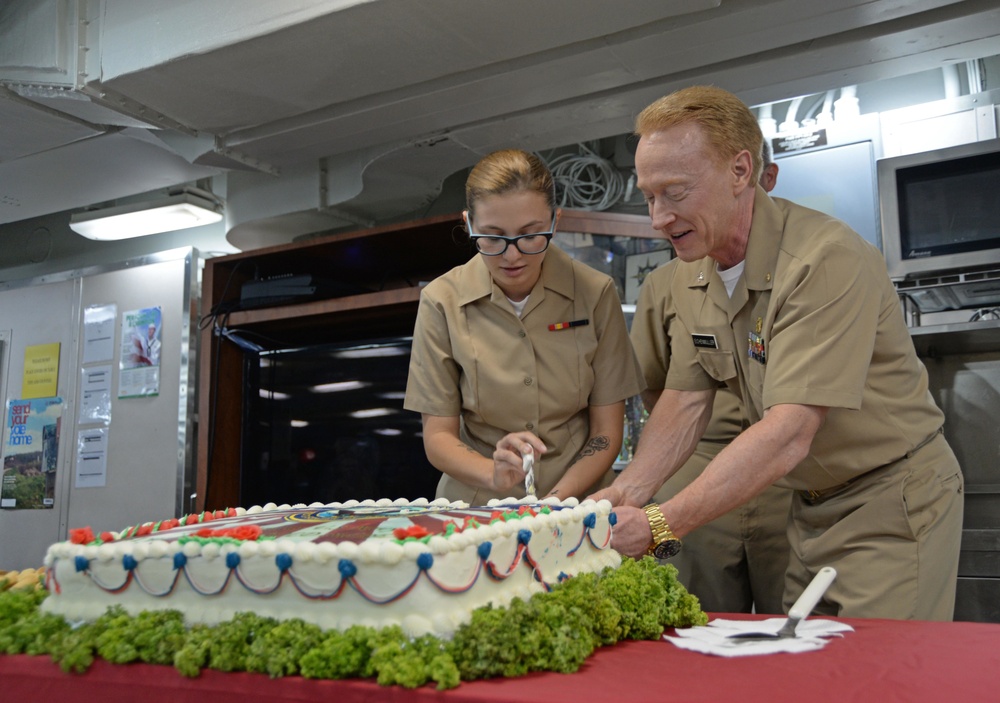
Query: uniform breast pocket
(719, 364)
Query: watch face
(665, 550)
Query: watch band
(665, 543)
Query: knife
(528, 464)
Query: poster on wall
(637, 267)
(99, 333)
(31, 453)
(41, 371)
(139, 367)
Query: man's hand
(632, 534)
(612, 493)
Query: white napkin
(713, 638)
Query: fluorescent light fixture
(371, 352)
(173, 212)
(273, 395)
(371, 412)
(389, 431)
(338, 386)
(299, 423)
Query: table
(883, 660)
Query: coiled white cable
(586, 181)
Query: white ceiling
(324, 114)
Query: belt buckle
(812, 496)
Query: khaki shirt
(653, 327)
(814, 320)
(474, 358)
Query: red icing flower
(169, 524)
(245, 532)
(145, 529)
(81, 535)
(190, 519)
(415, 531)
(107, 537)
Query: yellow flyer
(41, 371)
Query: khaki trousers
(893, 535)
(737, 562)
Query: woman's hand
(508, 459)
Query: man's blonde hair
(728, 124)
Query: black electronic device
(292, 288)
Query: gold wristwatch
(665, 544)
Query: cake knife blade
(528, 464)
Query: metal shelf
(956, 338)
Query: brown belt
(813, 496)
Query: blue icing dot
(232, 560)
(484, 550)
(590, 521)
(180, 560)
(425, 561)
(613, 519)
(284, 561)
(524, 536)
(347, 568)
(81, 563)
(129, 562)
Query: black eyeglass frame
(475, 237)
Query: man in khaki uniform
(735, 563)
(794, 312)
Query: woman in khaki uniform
(520, 350)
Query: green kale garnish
(554, 631)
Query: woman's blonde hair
(726, 121)
(508, 171)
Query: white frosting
(429, 585)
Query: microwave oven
(940, 210)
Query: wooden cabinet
(373, 280)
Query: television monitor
(940, 210)
(326, 423)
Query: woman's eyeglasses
(495, 245)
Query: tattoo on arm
(593, 445)
(467, 448)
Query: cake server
(528, 464)
(800, 611)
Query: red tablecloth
(883, 660)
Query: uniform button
(530, 426)
(522, 334)
(527, 380)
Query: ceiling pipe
(791, 123)
(768, 125)
(952, 82)
(847, 107)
